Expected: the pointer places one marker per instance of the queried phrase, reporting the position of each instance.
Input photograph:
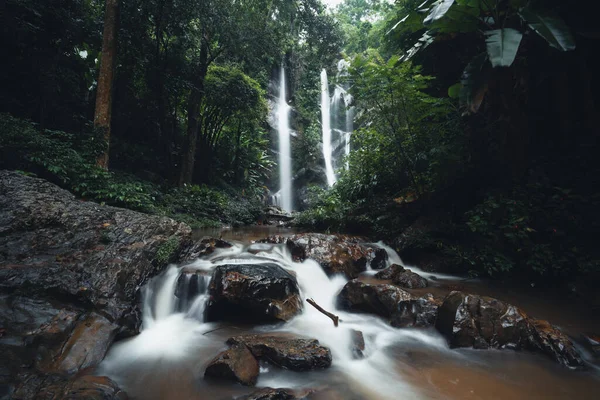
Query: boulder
(85, 347)
(337, 254)
(236, 364)
(70, 279)
(59, 387)
(482, 322)
(379, 299)
(292, 353)
(402, 277)
(255, 292)
(277, 394)
(56, 246)
(418, 313)
(202, 248)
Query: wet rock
(378, 299)
(236, 364)
(358, 343)
(278, 394)
(482, 322)
(337, 254)
(94, 388)
(593, 343)
(419, 313)
(254, 292)
(59, 387)
(55, 246)
(552, 342)
(70, 277)
(86, 346)
(286, 352)
(273, 215)
(402, 277)
(190, 283)
(201, 248)
(377, 257)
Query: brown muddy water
(167, 360)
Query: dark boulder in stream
(236, 364)
(402, 277)
(255, 292)
(379, 299)
(278, 394)
(388, 301)
(337, 254)
(70, 275)
(296, 354)
(468, 320)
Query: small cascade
(326, 126)
(285, 154)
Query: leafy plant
(500, 23)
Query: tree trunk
(102, 115)
(196, 95)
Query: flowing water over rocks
(385, 346)
(75, 276)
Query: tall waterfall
(285, 157)
(326, 124)
(338, 123)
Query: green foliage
(69, 160)
(165, 252)
(327, 211)
(533, 232)
(406, 135)
(500, 23)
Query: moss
(166, 251)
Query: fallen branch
(333, 317)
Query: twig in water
(333, 317)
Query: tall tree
(102, 115)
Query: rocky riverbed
(77, 277)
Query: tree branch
(333, 317)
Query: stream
(168, 358)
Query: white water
(285, 154)
(173, 336)
(326, 126)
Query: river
(168, 358)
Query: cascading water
(326, 125)
(167, 359)
(284, 196)
(337, 116)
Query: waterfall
(285, 157)
(326, 124)
(337, 116)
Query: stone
(59, 387)
(278, 394)
(86, 346)
(418, 313)
(402, 277)
(337, 254)
(201, 248)
(70, 279)
(381, 299)
(483, 322)
(236, 364)
(296, 354)
(357, 340)
(253, 292)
